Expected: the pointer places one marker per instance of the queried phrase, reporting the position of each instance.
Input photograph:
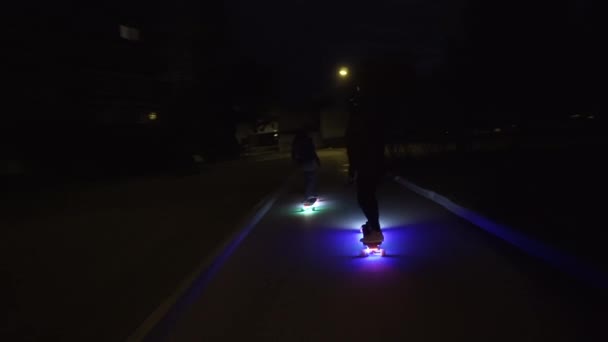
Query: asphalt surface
(547, 194)
(299, 277)
(89, 261)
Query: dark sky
(306, 40)
(516, 45)
(514, 50)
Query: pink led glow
(373, 251)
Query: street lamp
(343, 72)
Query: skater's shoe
(310, 201)
(374, 236)
(366, 229)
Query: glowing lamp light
(343, 72)
(153, 116)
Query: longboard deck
(373, 249)
(306, 204)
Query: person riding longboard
(304, 154)
(381, 83)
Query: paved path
(298, 277)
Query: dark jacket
(380, 89)
(365, 139)
(303, 150)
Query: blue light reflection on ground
(338, 249)
(558, 259)
(353, 221)
(163, 328)
(330, 237)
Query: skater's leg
(366, 196)
(311, 183)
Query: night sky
(509, 53)
(306, 40)
(506, 53)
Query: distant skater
(304, 154)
